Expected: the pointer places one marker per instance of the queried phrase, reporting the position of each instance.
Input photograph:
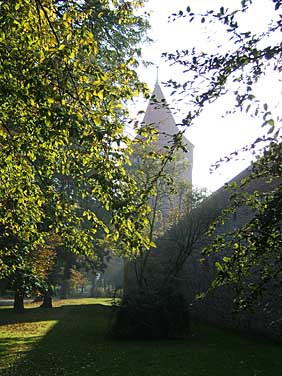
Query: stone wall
(196, 277)
(217, 307)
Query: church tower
(159, 115)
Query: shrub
(148, 315)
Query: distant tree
(236, 67)
(78, 280)
(67, 69)
(113, 274)
(29, 276)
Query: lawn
(73, 339)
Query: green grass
(72, 339)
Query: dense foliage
(150, 315)
(66, 71)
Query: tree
(158, 171)
(186, 235)
(67, 69)
(254, 263)
(156, 306)
(30, 275)
(78, 280)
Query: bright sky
(213, 135)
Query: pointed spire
(159, 115)
(158, 98)
(157, 80)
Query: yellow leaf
(51, 100)
(100, 94)
(88, 96)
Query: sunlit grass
(82, 301)
(18, 339)
(19, 333)
(73, 339)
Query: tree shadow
(8, 316)
(79, 344)
(75, 327)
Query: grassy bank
(72, 339)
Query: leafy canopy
(66, 72)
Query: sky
(213, 134)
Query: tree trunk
(65, 285)
(64, 291)
(19, 301)
(47, 300)
(93, 291)
(81, 290)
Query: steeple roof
(159, 116)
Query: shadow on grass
(79, 344)
(8, 316)
(74, 328)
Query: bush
(152, 316)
